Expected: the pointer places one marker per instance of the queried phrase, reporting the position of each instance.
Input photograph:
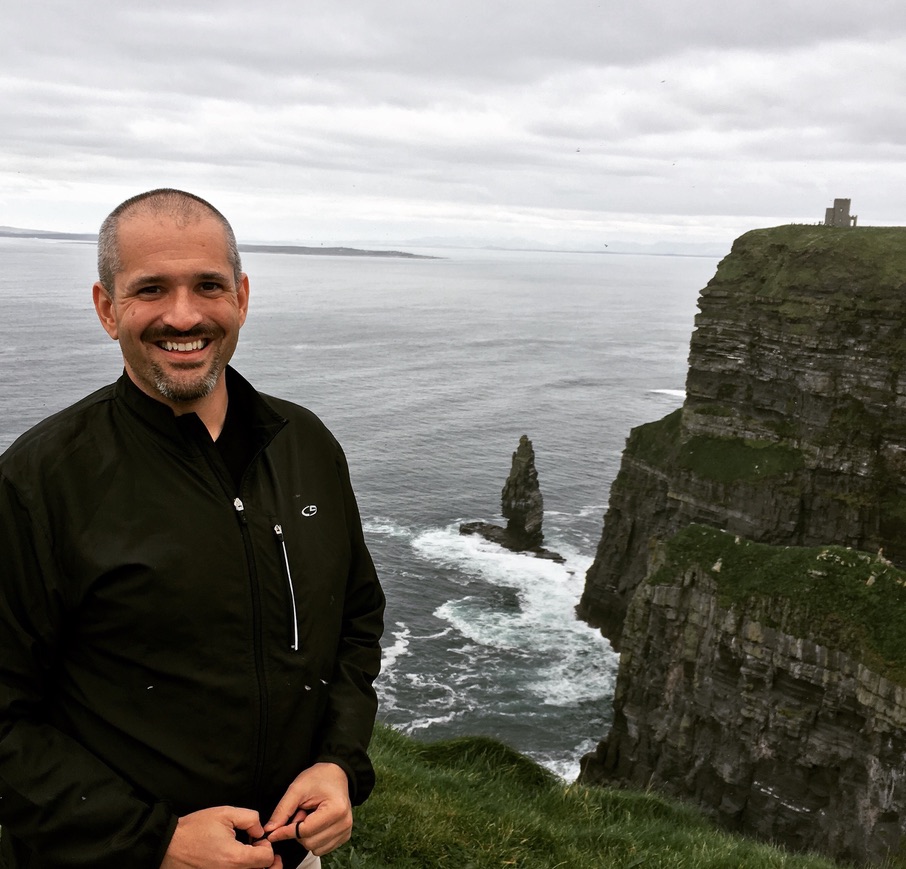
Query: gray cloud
(572, 121)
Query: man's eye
(149, 291)
(211, 287)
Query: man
(189, 617)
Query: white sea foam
(585, 672)
(385, 527)
(532, 615)
(566, 764)
(398, 649)
(423, 452)
(428, 721)
(673, 393)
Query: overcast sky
(561, 122)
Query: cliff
(770, 706)
(743, 689)
(793, 431)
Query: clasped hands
(316, 805)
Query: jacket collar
(184, 430)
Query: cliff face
(740, 688)
(793, 431)
(771, 705)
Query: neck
(211, 409)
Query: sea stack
(522, 506)
(520, 500)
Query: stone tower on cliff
(839, 214)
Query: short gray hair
(164, 200)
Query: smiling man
(189, 617)
(175, 299)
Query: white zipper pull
(278, 531)
(239, 507)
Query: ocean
(428, 371)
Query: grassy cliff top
(785, 259)
(847, 600)
(476, 804)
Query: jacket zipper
(288, 576)
(239, 507)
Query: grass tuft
(851, 601)
(473, 803)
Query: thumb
(289, 808)
(245, 819)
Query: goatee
(191, 390)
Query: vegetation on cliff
(863, 260)
(722, 459)
(792, 438)
(475, 803)
(850, 601)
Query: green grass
(657, 442)
(473, 803)
(724, 460)
(861, 262)
(851, 601)
(730, 460)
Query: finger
(288, 806)
(290, 829)
(327, 840)
(265, 858)
(262, 859)
(259, 855)
(323, 831)
(247, 820)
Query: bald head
(177, 205)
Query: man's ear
(103, 304)
(242, 292)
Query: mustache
(162, 333)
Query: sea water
(428, 371)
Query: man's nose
(183, 313)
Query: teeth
(183, 348)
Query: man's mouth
(183, 346)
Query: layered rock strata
(521, 502)
(767, 685)
(793, 430)
(778, 707)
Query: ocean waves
(500, 652)
(428, 372)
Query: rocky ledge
(778, 706)
(743, 689)
(793, 431)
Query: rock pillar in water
(520, 500)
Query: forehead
(162, 242)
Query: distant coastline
(300, 250)
(618, 248)
(15, 232)
(328, 251)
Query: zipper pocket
(287, 574)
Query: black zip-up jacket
(164, 645)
